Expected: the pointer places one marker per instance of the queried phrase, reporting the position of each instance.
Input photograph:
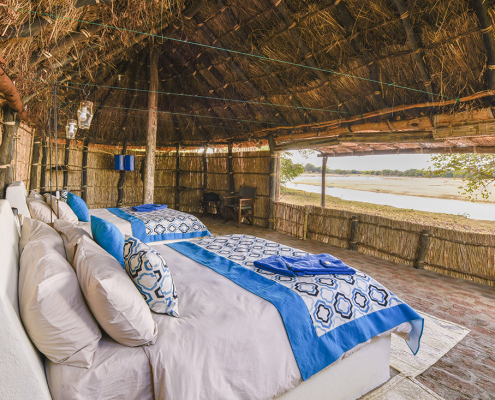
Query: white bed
(227, 344)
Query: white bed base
(351, 378)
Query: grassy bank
(301, 197)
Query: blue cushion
(108, 237)
(78, 206)
(149, 272)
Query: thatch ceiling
(379, 68)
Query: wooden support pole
(35, 164)
(149, 172)
(120, 184)
(6, 149)
(66, 165)
(177, 177)
(205, 169)
(230, 164)
(305, 226)
(352, 238)
(272, 182)
(43, 163)
(84, 174)
(323, 183)
(422, 248)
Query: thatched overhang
(345, 77)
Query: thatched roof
(345, 76)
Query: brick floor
(468, 370)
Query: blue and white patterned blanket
(324, 315)
(164, 224)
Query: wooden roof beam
(236, 68)
(488, 40)
(418, 52)
(350, 26)
(308, 59)
(204, 82)
(240, 32)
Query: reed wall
(464, 255)
(250, 168)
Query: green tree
(289, 170)
(476, 170)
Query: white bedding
(228, 344)
(117, 372)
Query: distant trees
(476, 170)
(289, 170)
(310, 168)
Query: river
(483, 211)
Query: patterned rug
(439, 336)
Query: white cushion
(16, 195)
(112, 297)
(61, 208)
(53, 309)
(34, 230)
(149, 272)
(41, 211)
(71, 235)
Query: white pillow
(61, 208)
(71, 235)
(41, 211)
(116, 304)
(149, 272)
(33, 194)
(53, 309)
(34, 230)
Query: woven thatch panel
(329, 226)
(22, 154)
(289, 219)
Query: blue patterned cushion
(149, 272)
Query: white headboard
(22, 375)
(16, 195)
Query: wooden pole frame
(323, 179)
(177, 177)
(272, 182)
(149, 171)
(35, 163)
(84, 170)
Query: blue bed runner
(324, 315)
(163, 224)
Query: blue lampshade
(119, 162)
(129, 163)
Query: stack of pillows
(71, 286)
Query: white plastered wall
(22, 375)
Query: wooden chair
(240, 206)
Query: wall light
(71, 129)
(85, 114)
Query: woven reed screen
(464, 255)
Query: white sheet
(228, 343)
(117, 372)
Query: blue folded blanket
(317, 264)
(149, 207)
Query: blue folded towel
(317, 264)
(149, 207)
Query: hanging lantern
(85, 114)
(71, 129)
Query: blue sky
(401, 162)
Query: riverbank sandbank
(449, 221)
(441, 188)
